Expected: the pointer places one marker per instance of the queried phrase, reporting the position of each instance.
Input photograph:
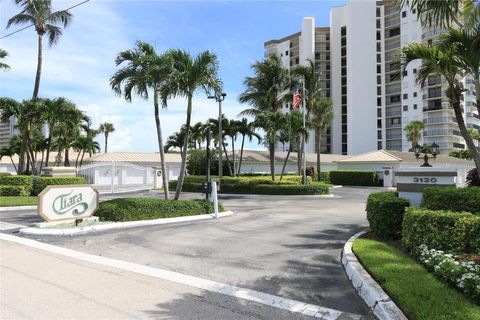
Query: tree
(231, 130)
(263, 94)
(272, 122)
(413, 131)
(322, 115)
(443, 62)
(144, 71)
(8, 152)
(39, 13)
(3, 55)
(247, 130)
(190, 74)
(198, 134)
(85, 144)
(291, 133)
(106, 128)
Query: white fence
(118, 177)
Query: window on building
(414, 10)
(414, 70)
(379, 123)
(379, 68)
(317, 55)
(297, 61)
(415, 94)
(379, 91)
(286, 53)
(379, 47)
(379, 134)
(405, 73)
(379, 79)
(344, 100)
(379, 24)
(344, 109)
(379, 102)
(405, 108)
(379, 145)
(378, 12)
(415, 107)
(343, 31)
(291, 63)
(379, 112)
(404, 14)
(405, 96)
(379, 58)
(379, 35)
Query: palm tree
(467, 44)
(263, 94)
(8, 152)
(272, 122)
(247, 130)
(445, 13)
(3, 55)
(232, 132)
(175, 141)
(198, 134)
(322, 115)
(39, 13)
(189, 75)
(291, 133)
(443, 62)
(414, 132)
(106, 128)
(144, 71)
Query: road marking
(217, 287)
(8, 226)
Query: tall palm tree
(467, 44)
(264, 92)
(106, 128)
(3, 55)
(198, 134)
(247, 130)
(443, 62)
(413, 132)
(143, 71)
(39, 13)
(310, 75)
(232, 132)
(322, 116)
(291, 133)
(189, 75)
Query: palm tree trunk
(106, 142)
(39, 68)
(241, 156)
(49, 144)
(233, 154)
(160, 147)
(27, 170)
(78, 156)
(318, 153)
(271, 147)
(81, 159)
(14, 166)
(184, 151)
(226, 157)
(463, 129)
(285, 163)
(67, 159)
(41, 162)
(23, 148)
(31, 157)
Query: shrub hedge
(354, 178)
(290, 179)
(442, 230)
(131, 209)
(266, 189)
(385, 214)
(41, 183)
(24, 181)
(452, 199)
(14, 191)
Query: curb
(17, 208)
(367, 288)
(30, 231)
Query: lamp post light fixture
(418, 150)
(219, 97)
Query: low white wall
(251, 167)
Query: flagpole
(303, 136)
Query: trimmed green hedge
(452, 199)
(24, 181)
(292, 179)
(442, 230)
(131, 209)
(14, 191)
(385, 214)
(41, 183)
(266, 189)
(354, 178)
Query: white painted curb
(368, 289)
(117, 225)
(17, 208)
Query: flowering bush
(458, 270)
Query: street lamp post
(418, 150)
(219, 97)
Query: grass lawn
(416, 291)
(7, 201)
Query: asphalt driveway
(283, 245)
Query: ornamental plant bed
(419, 293)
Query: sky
(80, 65)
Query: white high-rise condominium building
(373, 100)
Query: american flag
(297, 97)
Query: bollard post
(215, 199)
